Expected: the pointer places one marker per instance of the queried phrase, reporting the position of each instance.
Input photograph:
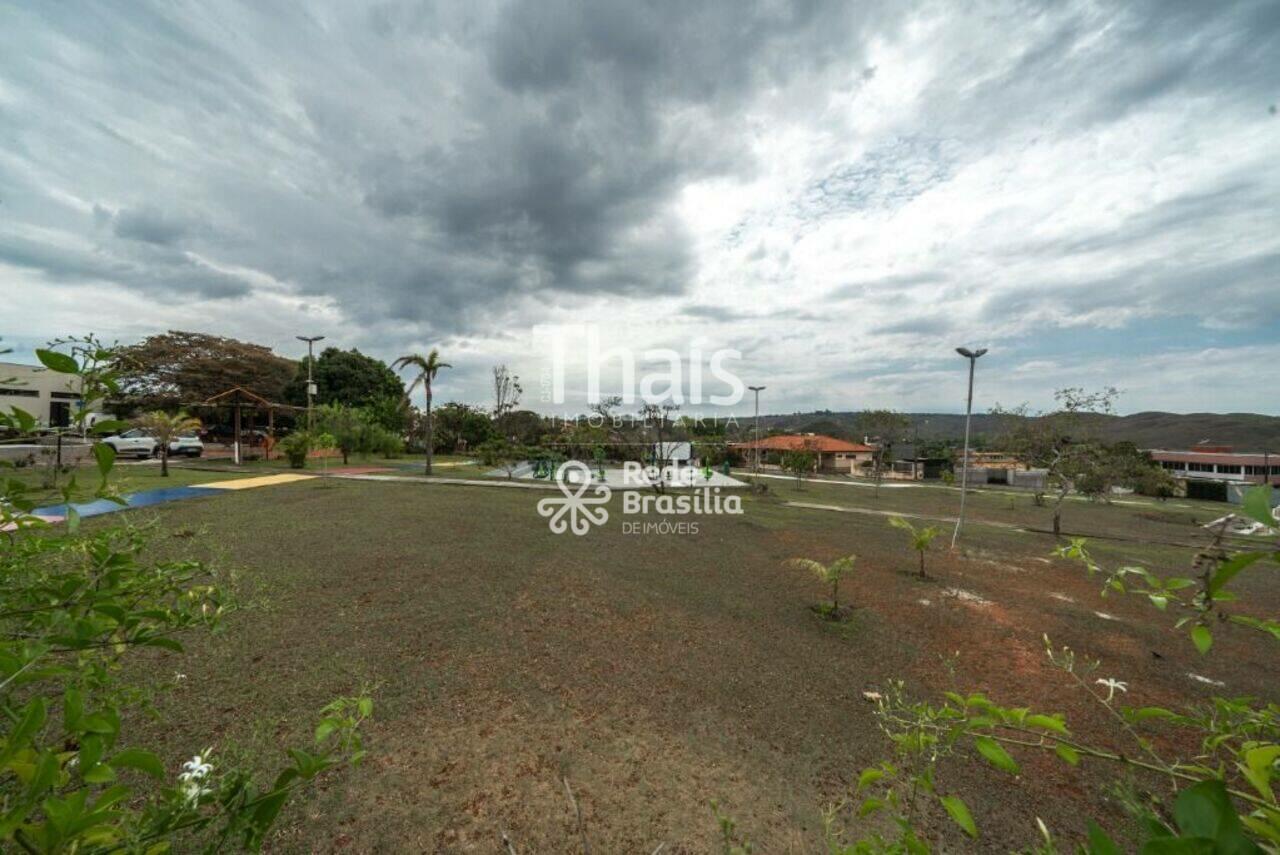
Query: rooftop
(805, 442)
(1227, 457)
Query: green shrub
(379, 440)
(296, 446)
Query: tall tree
(525, 427)
(345, 425)
(620, 432)
(166, 428)
(657, 422)
(1060, 441)
(347, 377)
(506, 394)
(177, 368)
(457, 425)
(1122, 464)
(390, 413)
(427, 367)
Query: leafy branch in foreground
(1202, 594)
(93, 371)
(73, 607)
(1221, 796)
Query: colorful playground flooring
(146, 498)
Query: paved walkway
(465, 482)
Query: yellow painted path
(261, 481)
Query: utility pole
(972, 356)
(311, 383)
(755, 468)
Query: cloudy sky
(840, 191)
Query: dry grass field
(655, 674)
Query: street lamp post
(972, 356)
(755, 469)
(311, 383)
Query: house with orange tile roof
(831, 454)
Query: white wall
(35, 389)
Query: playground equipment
(545, 467)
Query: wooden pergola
(238, 398)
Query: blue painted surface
(133, 500)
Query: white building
(678, 453)
(50, 397)
(1218, 471)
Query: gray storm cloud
(452, 171)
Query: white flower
(196, 767)
(1112, 684)
(191, 779)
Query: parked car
(186, 446)
(222, 435)
(135, 443)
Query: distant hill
(1245, 431)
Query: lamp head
(970, 354)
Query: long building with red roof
(1218, 471)
(831, 454)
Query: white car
(186, 446)
(136, 443)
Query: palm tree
(831, 573)
(427, 367)
(920, 538)
(166, 428)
